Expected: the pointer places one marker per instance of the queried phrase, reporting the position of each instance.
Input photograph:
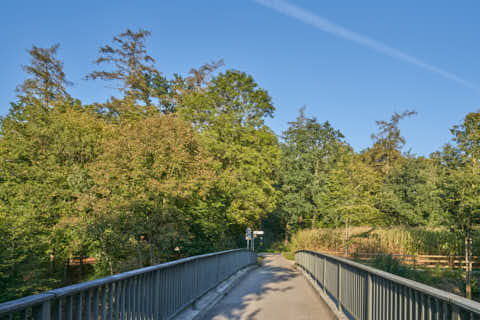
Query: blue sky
(337, 79)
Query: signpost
(251, 238)
(255, 234)
(248, 236)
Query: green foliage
(310, 150)
(229, 112)
(392, 265)
(179, 166)
(399, 240)
(169, 169)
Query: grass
(444, 279)
(385, 241)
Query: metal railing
(362, 292)
(154, 293)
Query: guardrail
(156, 292)
(365, 293)
(416, 260)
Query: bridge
(231, 285)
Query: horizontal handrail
(383, 294)
(157, 291)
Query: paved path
(275, 291)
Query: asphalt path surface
(274, 291)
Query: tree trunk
(468, 266)
(286, 235)
(81, 267)
(65, 271)
(150, 249)
(346, 238)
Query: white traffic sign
(257, 233)
(248, 234)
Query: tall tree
(410, 194)
(462, 184)
(42, 176)
(229, 111)
(310, 151)
(47, 80)
(132, 66)
(151, 171)
(388, 142)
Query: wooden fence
(420, 260)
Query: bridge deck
(274, 291)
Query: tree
(150, 172)
(47, 82)
(348, 196)
(229, 112)
(410, 194)
(461, 185)
(388, 142)
(309, 151)
(42, 175)
(132, 66)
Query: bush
(390, 264)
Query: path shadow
(255, 287)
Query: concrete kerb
(330, 303)
(201, 306)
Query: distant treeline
(171, 167)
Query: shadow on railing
(156, 292)
(362, 292)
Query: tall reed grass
(396, 240)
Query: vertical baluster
(339, 286)
(79, 306)
(395, 301)
(429, 308)
(104, 303)
(145, 296)
(69, 308)
(411, 305)
(110, 301)
(95, 303)
(58, 310)
(151, 295)
(417, 304)
(141, 283)
(129, 298)
(422, 303)
(136, 300)
(156, 294)
(117, 300)
(122, 300)
(455, 313)
(324, 272)
(88, 305)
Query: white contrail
(323, 24)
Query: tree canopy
(169, 167)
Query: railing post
(455, 313)
(369, 297)
(44, 311)
(324, 271)
(156, 295)
(339, 287)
